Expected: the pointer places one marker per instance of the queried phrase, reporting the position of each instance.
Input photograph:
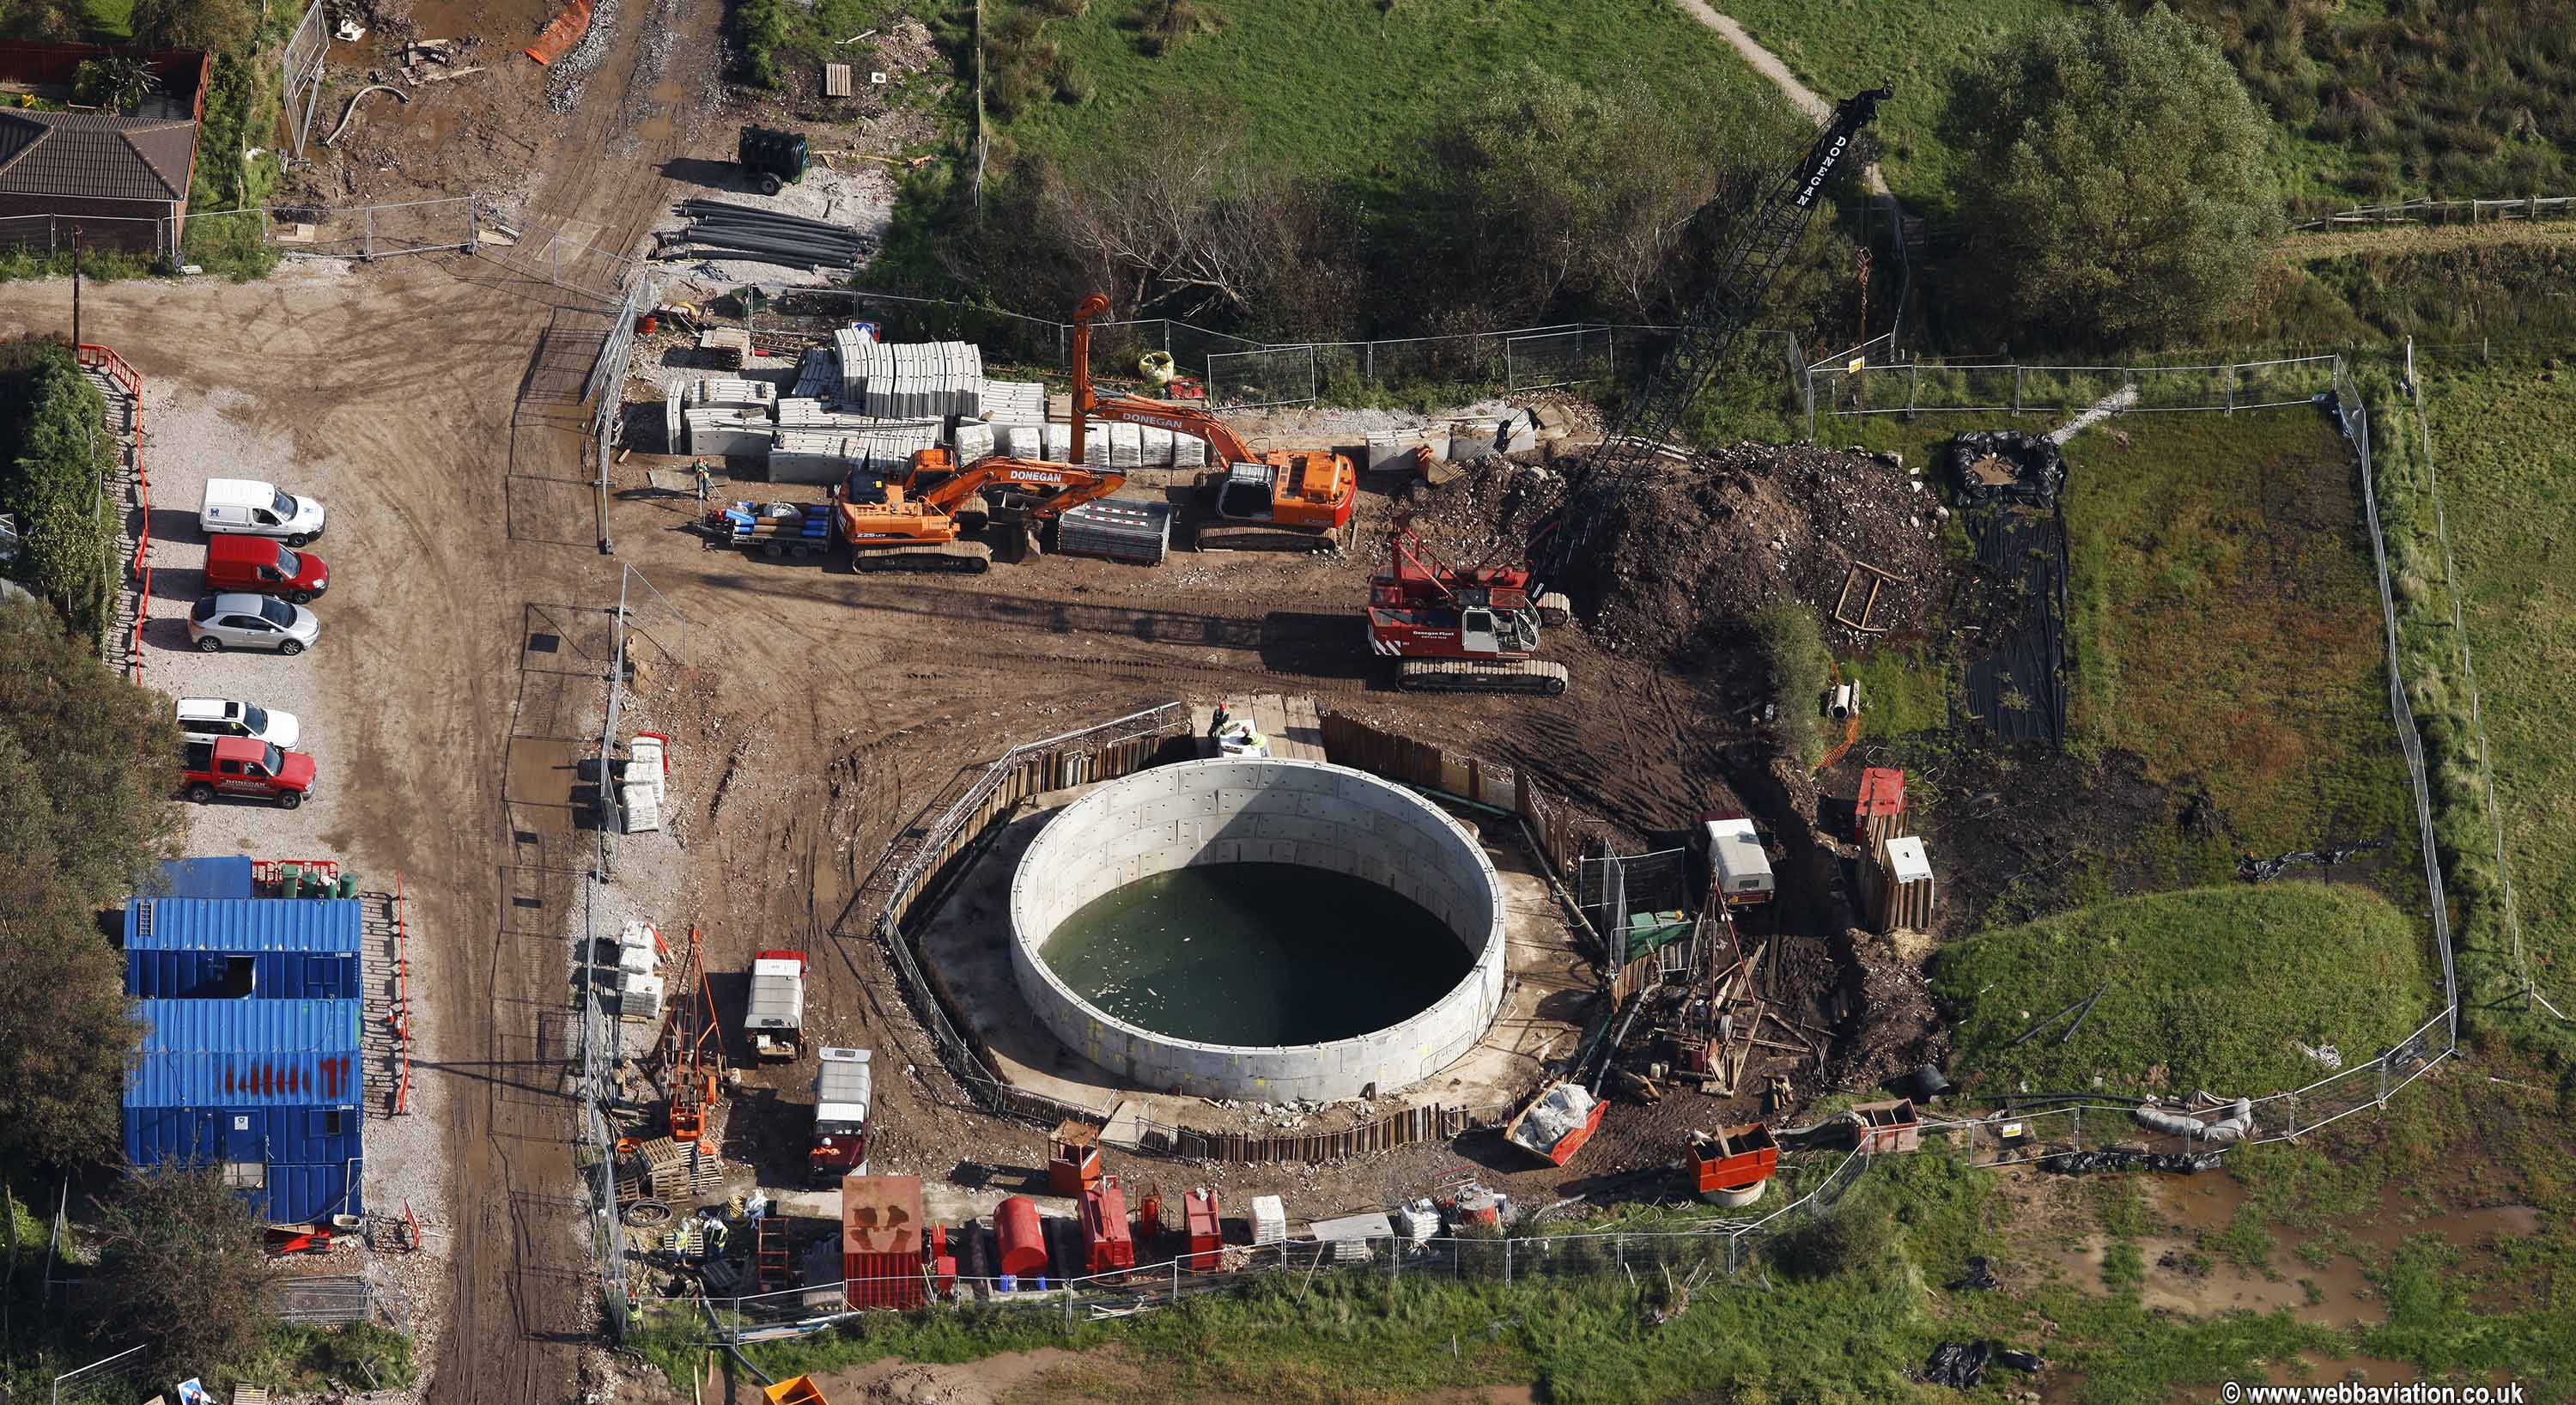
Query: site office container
(254, 1086)
(229, 948)
(881, 1241)
(242, 1135)
(227, 876)
(214, 975)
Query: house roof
(96, 155)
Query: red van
(264, 565)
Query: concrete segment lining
(1244, 810)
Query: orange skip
(561, 35)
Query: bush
(182, 1266)
(1847, 1239)
(2118, 181)
(1794, 650)
(54, 462)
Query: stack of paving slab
(909, 380)
(1139, 532)
(1103, 446)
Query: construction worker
(715, 1240)
(1217, 721)
(706, 481)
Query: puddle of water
(2207, 1205)
(2345, 1294)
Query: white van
(250, 508)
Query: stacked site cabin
(265, 1090)
(242, 948)
(251, 1016)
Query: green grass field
(2225, 624)
(1349, 89)
(2210, 985)
(1839, 47)
(2502, 438)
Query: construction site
(893, 821)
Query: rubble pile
(1703, 542)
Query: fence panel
(1283, 375)
(110, 1378)
(1566, 356)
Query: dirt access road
(452, 383)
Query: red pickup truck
(262, 565)
(240, 766)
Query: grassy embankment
(1350, 92)
(2499, 435)
(2369, 101)
(2207, 987)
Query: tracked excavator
(919, 521)
(1274, 501)
(1453, 629)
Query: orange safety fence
(105, 359)
(562, 34)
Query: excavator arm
(1745, 273)
(1057, 486)
(1129, 409)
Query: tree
(1600, 197)
(2114, 183)
(87, 762)
(1181, 219)
(220, 26)
(44, 19)
(183, 1267)
(105, 755)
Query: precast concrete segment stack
(1261, 810)
(828, 455)
(973, 441)
(731, 393)
(819, 374)
(1014, 402)
(726, 431)
(911, 380)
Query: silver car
(251, 622)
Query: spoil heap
(1702, 543)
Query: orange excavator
(918, 520)
(1260, 502)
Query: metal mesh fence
(1557, 356)
(1856, 386)
(1282, 375)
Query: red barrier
(399, 1021)
(140, 569)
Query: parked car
(257, 509)
(213, 719)
(265, 566)
(240, 766)
(251, 622)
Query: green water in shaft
(1257, 953)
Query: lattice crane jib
(1746, 272)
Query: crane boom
(1750, 266)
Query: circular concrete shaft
(1258, 810)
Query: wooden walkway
(1293, 728)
